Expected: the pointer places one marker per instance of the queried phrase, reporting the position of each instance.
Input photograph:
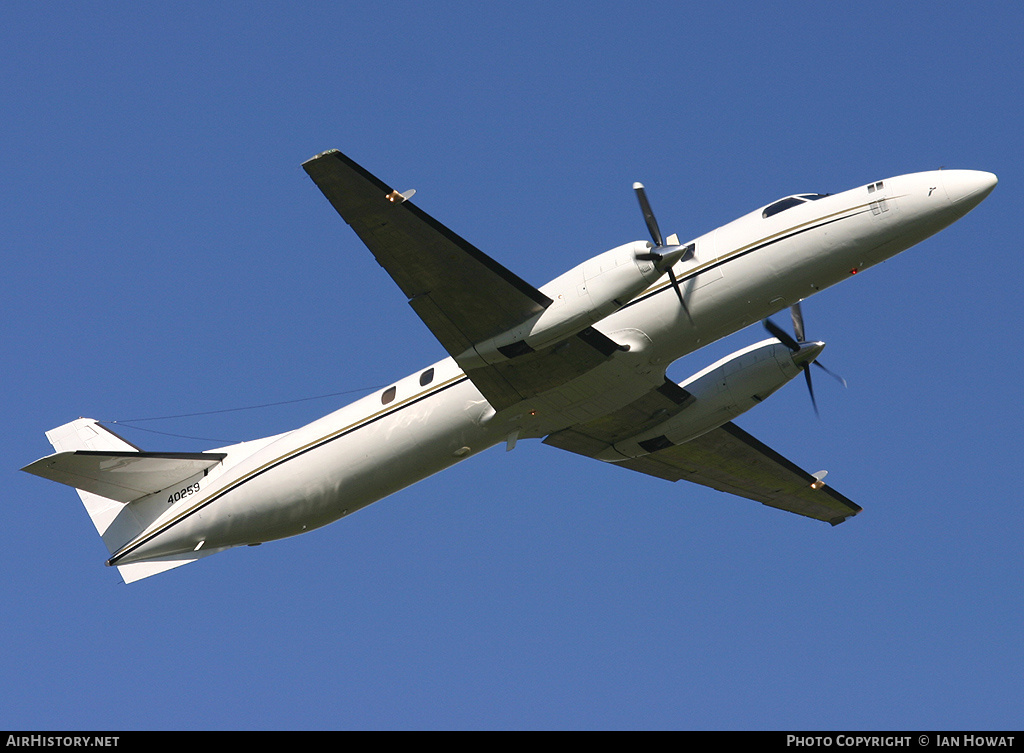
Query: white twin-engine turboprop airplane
(580, 362)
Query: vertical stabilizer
(88, 434)
(117, 522)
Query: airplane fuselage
(737, 274)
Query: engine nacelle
(721, 392)
(581, 297)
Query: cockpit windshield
(789, 202)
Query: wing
(460, 293)
(726, 458)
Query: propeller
(664, 257)
(804, 353)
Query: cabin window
(426, 377)
(388, 395)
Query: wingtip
(315, 157)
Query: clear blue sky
(164, 254)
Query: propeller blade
(675, 286)
(645, 207)
(798, 321)
(781, 335)
(679, 292)
(831, 373)
(810, 389)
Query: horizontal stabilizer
(123, 476)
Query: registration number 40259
(179, 495)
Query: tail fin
(88, 434)
(116, 481)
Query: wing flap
(524, 377)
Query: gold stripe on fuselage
(234, 484)
(766, 240)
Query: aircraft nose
(967, 188)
